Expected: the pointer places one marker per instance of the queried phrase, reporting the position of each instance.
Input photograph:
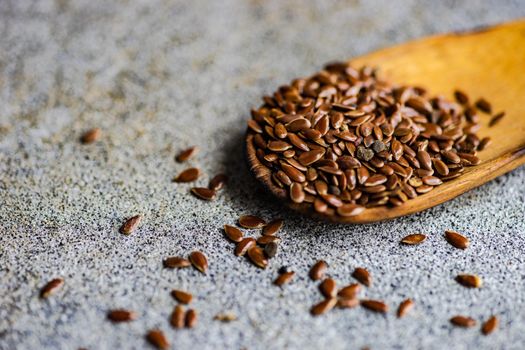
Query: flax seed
(375, 305)
(273, 227)
(318, 270)
(469, 281)
(199, 261)
(190, 320)
(203, 193)
(490, 325)
(51, 287)
(251, 221)
(405, 306)
(186, 154)
(495, 119)
(347, 303)
(91, 136)
(257, 257)
(244, 245)
(225, 317)
(363, 276)
(463, 321)
(233, 233)
(177, 317)
(328, 288)
(218, 182)
(323, 307)
(413, 239)
(181, 296)
(175, 262)
(456, 239)
(349, 292)
(130, 225)
(157, 338)
(284, 278)
(121, 315)
(270, 249)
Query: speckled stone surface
(158, 76)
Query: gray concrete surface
(158, 76)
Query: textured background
(158, 76)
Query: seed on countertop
(456, 239)
(495, 119)
(486, 141)
(257, 257)
(405, 307)
(186, 154)
(272, 227)
(181, 296)
(324, 306)
(121, 315)
(414, 239)
(225, 317)
(264, 240)
(270, 249)
(328, 288)
(51, 287)
(191, 318)
(90, 136)
(490, 325)
(375, 305)
(284, 278)
(461, 97)
(188, 175)
(130, 225)
(203, 193)
(244, 245)
(251, 221)
(463, 321)
(218, 182)
(363, 276)
(157, 338)
(469, 281)
(233, 233)
(177, 317)
(350, 291)
(484, 105)
(347, 303)
(199, 261)
(318, 270)
(174, 262)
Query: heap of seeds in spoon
(343, 140)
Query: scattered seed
(272, 227)
(157, 338)
(324, 306)
(188, 175)
(199, 261)
(186, 154)
(130, 225)
(363, 276)
(490, 325)
(375, 305)
(233, 233)
(349, 292)
(328, 288)
(469, 281)
(51, 287)
(484, 143)
(270, 249)
(284, 269)
(251, 221)
(191, 318)
(225, 317)
(414, 239)
(264, 240)
(203, 193)
(175, 262)
(257, 257)
(177, 317)
(181, 296)
(456, 239)
(405, 306)
(495, 119)
(461, 97)
(318, 270)
(121, 315)
(218, 182)
(284, 278)
(463, 321)
(91, 136)
(484, 105)
(244, 245)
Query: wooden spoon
(488, 62)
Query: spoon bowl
(489, 63)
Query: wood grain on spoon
(484, 63)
